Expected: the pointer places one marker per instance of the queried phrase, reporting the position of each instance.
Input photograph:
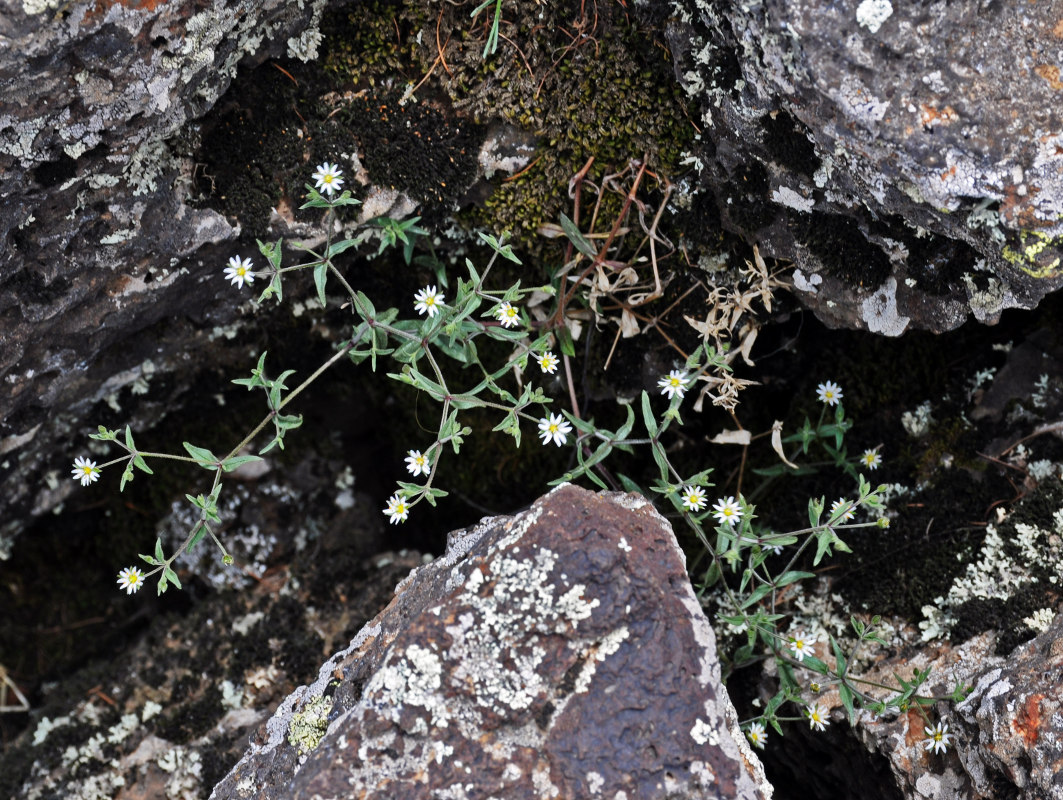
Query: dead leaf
(776, 443)
(731, 437)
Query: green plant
(735, 569)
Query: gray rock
(560, 653)
(104, 263)
(906, 157)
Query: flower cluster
(417, 463)
(871, 459)
(693, 498)
(508, 315)
(817, 717)
(328, 178)
(829, 393)
(239, 272)
(801, 646)
(397, 509)
(727, 511)
(130, 579)
(938, 738)
(757, 735)
(428, 301)
(674, 385)
(554, 429)
(547, 362)
(85, 471)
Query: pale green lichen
(308, 727)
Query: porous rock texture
(559, 653)
(1008, 733)
(104, 266)
(906, 157)
(168, 713)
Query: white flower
(328, 178)
(429, 301)
(694, 498)
(817, 717)
(829, 393)
(871, 459)
(757, 735)
(85, 471)
(239, 272)
(838, 506)
(727, 511)
(939, 738)
(130, 579)
(508, 315)
(554, 429)
(675, 385)
(801, 646)
(397, 509)
(417, 464)
(547, 362)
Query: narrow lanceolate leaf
(197, 535)
(237, 461)
(140, 464)
(129, 439)
(171, 576)
(202, 456)
(320, 275)
(159, 555)
(577, 238)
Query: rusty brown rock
(557, 653)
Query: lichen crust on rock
(557, 653)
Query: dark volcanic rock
(907, 157)
(557, 653)
(103, 263)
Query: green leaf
(149, 559)
(840, 662)
(171, 576)
(629, 485)
(140, 464)
(159, 555)
(815, 511)
(648, 417)
(846, 695)
(564, 341)
(197, 534)
(237, 461)
(577, 238)
(756, 595)
(792, 577)
(272, 252)
(202, 456)
(129, 439)
(126, 477)
(823, 543)
(162, 583)
(338, 247)
(320, 276)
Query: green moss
(607, 95)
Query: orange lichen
(1050, 72)
(1028, 722)
(930, 115)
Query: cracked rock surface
(557, 653)
(103, 263)
(906, 157)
